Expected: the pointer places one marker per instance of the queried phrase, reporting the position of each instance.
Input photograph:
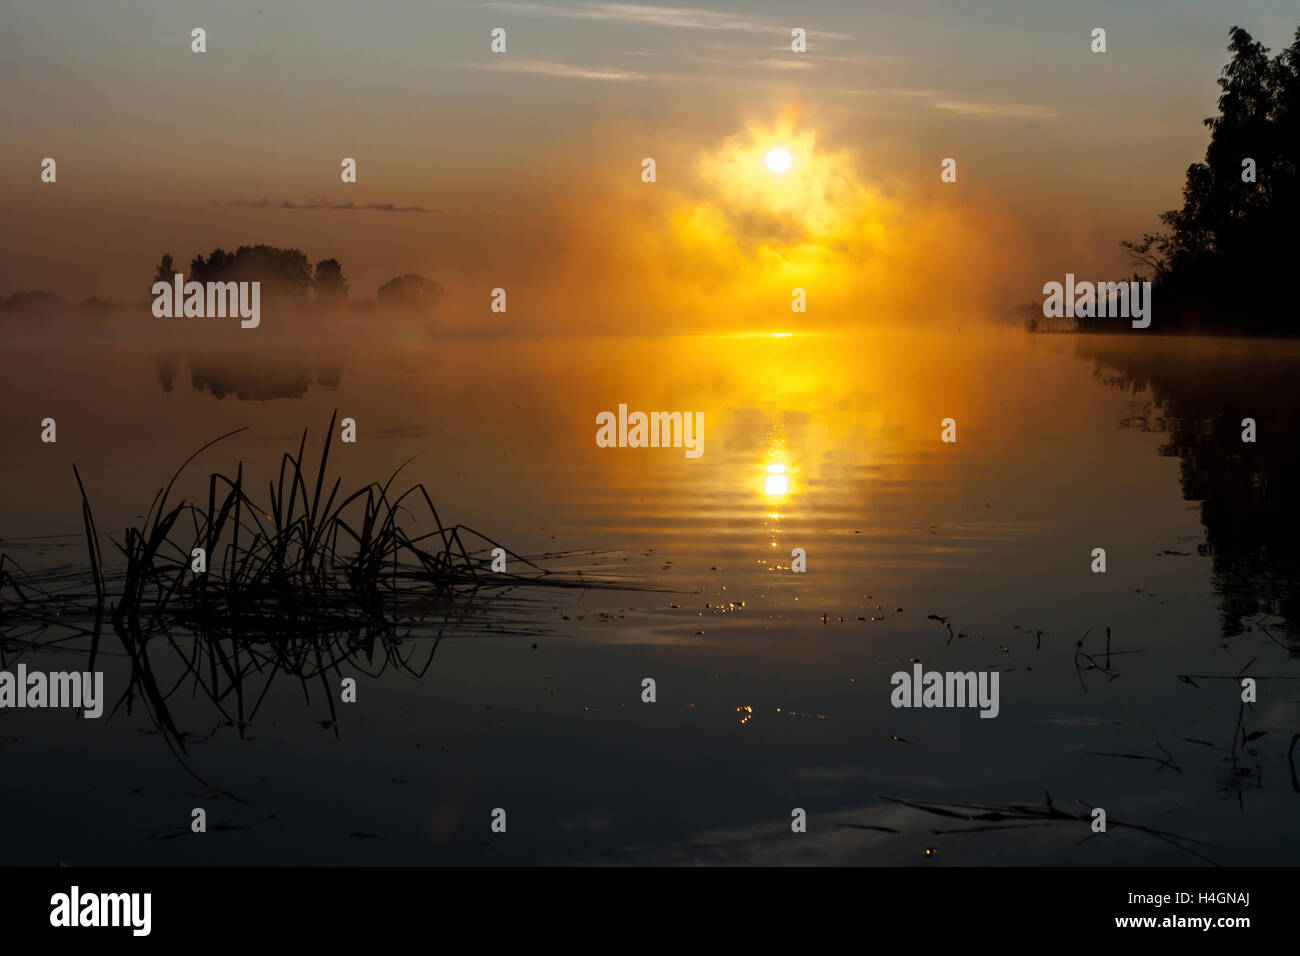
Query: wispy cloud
(997, 110)
(973, 108)
(548, 68)
(679, 18)
(818, 57)
(777, 64)
(323, 205)
(895, 92)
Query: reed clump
(307, 559)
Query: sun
(778, 160)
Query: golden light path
(776, 485)
(776, 491)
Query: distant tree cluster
(329, 283)
(1226, 261)
(39, 303)
(410, 292)
(284, 273)
(33, 302)
(287, 273)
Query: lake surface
(773, 687)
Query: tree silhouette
(410, 292)
(283, 273)
(331, 287)
(165, 270)
(1219, 265)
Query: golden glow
(776, 484)
(728, 240)
(778, 160)
(769, 227)
(824, 205)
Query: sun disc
(778, 160)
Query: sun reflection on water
(776, 493)
(776, 485)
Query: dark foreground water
(773, 688)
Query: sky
(523, 170)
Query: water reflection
(777, 483)
(1199, 393)
(249, 376)
(969, 555)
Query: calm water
(773, 687)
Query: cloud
(323, 205)
(678, 18)
(547, 68)
(895, 92)
(997, 110)
(260, 204)
(785, 64)
(725, 238)
(972, 108)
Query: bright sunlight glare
(778, 160)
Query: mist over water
(773, 687)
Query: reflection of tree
(251, 378)
(166, 373)
(1249, 493)
(329, 375)
(1221, 265)
(251, 382)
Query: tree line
(288, 276)
(1224, 262)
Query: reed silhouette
(303, 585)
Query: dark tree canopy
(282, 272)
(330, 285)
(1225, 261)
(33, 302)
(411, 292)
(165, 272)
(287, 274)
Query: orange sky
(528, 163)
